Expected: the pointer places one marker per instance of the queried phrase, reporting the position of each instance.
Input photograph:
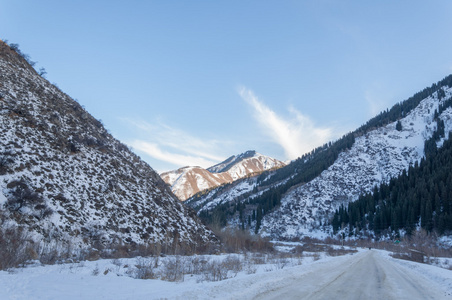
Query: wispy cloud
(175, 146)
(377, 99)
(156, 152)
(296, 135)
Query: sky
(190, 83)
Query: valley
(78, 207)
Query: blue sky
(193, 82)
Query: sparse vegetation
(21, 196)
(57, 160)
(236, 240)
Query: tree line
(312, 164)
(419, 197)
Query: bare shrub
(404, 256)
(339, 251)
(235, 240)
(121, 251)
(268, 269)
(15, 248)
(5, 161)
(280, 263)
(21, 195)
(298, 250)
(145, 269)
(258, 258)
(49, 257)
(118, 263)
(233, 263)
(194, 265)
(173, 269)
(215, 271)
(95, 271)
(250, 268)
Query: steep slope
(299, 198)
(65, 179)
(374, 158)
(188, 181)
(421, 197)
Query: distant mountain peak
(188, 181)
(229, 162)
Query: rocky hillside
(188, 181)
(300, 198)
(64, 178)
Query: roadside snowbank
(111, 279)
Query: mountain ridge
(299, 198)
(231, 161)
(188, 181)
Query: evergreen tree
(421, 195)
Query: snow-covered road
(367, 275)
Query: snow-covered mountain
(188, 181)
(376, 155)
(65, 179)
(374, 158)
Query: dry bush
(315, 256)
(258, 258)
(120, 251)
(145, 269)
(237, 240)
(250, 268)
(196, 265)
(311, 240)
(49, 257)
(173, 269)
(118, 263)
(448, 265)
(233, 263)
(298, 250)
(281, 262)
(95, 271)
(404, 256)
(215, 271)
(219, 270)
(15, 248)
(427, 243)
(339, 251)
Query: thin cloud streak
(175, 146)
(375, 106)
(154, 151)
(297, 135)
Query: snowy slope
(188, 181)
(250, 163)
(375, 157)
(82, 185)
